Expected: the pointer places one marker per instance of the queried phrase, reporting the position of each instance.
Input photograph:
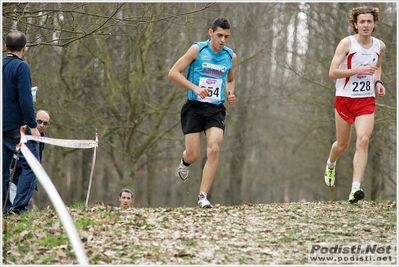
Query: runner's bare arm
(175, 73)
(231, 82)
(380, 89)
(342, 50)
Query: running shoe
(183, 170)
(356, 195)
(329, 176)
(203, 202)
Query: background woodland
(104, 66)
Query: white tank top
(359, 85)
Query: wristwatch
(378, 81)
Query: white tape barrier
(64, 142)
(55, 198)
(71, 143)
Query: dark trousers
(27, 180)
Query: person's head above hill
(125, 198)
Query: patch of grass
(95, 259)
(190, 243)
(12, 258)
(23, 249)
(287, 239)
(322, 231)
(303, 261)
(244, 230)
(70, 253)
(22, 226)
(83, 223)
(135, 257)
(389, 227)
(80, 205)
(145, 225)
(155, 250)
(50, 222)
(287, 262)
(109, 215)
(346, 233)
(138, 248)
(48, 260)
(244, 260)
(52, 241)
(223, 251)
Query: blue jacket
(18, 107)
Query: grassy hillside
(278, 233)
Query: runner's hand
(380, 89)
(368, 70)
(231, 99)
(202, 92)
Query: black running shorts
(199, 116)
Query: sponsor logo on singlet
(211, 81)
(214, 67)
(206, 57)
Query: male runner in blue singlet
(209, 82)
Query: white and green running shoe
(329, 176)
(356, 194)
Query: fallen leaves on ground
(277, 233)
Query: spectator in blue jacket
(18, 110)
(43, 121)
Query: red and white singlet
(359, 85)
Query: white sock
(354, 184)
(330, 164)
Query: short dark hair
(125, 190)
(15, 41)
(220, 22)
